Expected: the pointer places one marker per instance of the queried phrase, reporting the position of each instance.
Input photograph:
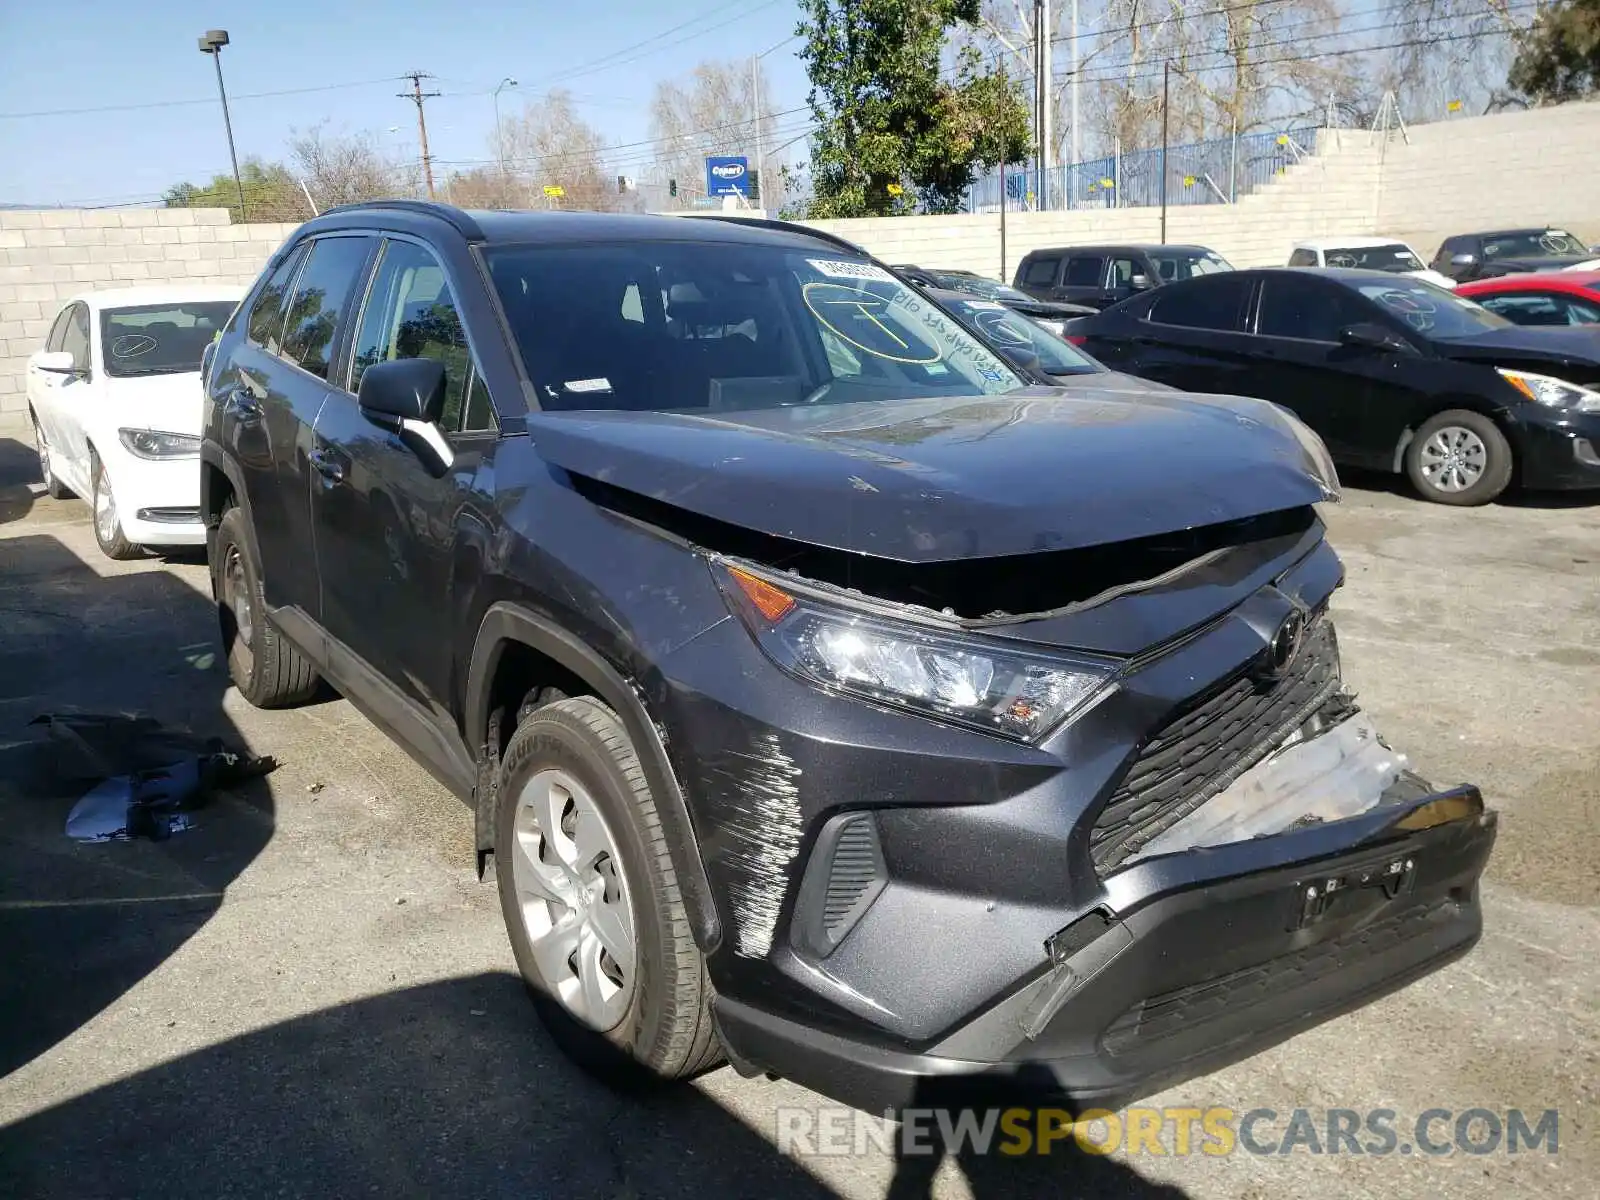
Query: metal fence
(1214, 172)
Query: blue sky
(99, 54)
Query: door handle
(243, 405)
(327, 466)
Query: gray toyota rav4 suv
(829, 697)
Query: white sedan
(116, 403)
(1367, 253)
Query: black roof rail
(784, 226)
(449, 213)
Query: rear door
(1351, 395)
(270, 394)
(1189, 335)
(1083, 279)
(386, 526)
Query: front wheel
(1459, 457)
(107, 519)
(592, 903)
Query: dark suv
(828, 696)
(1468, 256)
(1102, 275)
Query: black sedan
(1052, 314)
(1034, 350)
(1394, 373)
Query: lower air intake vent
(844, 876)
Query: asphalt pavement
(310, 994)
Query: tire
(53, 487)
(658, 1027)
(267, 670)
(105, 518)
(1460, 458)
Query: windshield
(977, 285)
(1534, 244)
(1433, 310)
(656, 326)
(1174, 266)
(160, 339)
(1016, 335)
(1395, 257)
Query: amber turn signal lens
(772, 603)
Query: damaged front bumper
(1196, 960)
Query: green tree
(892, 134)
(1559, 56)
(270, 193)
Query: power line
(108, 108)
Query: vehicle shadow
(1515, 496)
(19, 479)
(81, 923)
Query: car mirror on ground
(407, 396)
(58, 362)
(1370, 336)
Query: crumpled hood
(947, 478)
(166, 403)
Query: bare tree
(342, 169)
(720, 108)
(549, 145)
(1451, 51)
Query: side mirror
(1370, 336)
(407, 396)
(57, 362)
(1463, 260)
(1140, 283)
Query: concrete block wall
(1539, 167)
(50, 255)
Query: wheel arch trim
(506, 623)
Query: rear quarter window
(1041, 271)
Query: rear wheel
(107, 519)
(53, 486)
(591, 899)
(268, 671)
(1459, 457)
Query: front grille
(1208, 745)
(169, 516)
(1182, 1009)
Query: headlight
(1316, 450)
(1552, 393)
(147, 443)
(947, 675)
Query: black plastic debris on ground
(149, 778)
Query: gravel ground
(311, 994)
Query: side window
(58, 330)
(75, 339)
(1213, 303)
(1447, 248)
(1581, 312)
(1041, 272)
(1085, 272)
(479, 416)
(266, 314)
(1527, 308)
(1308, 309)
(1123, 270)
(321, 296)
(1303, 258)
(410, 313)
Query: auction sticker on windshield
(835, 268)
(865, 320)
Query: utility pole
(1047, 103)
(1166, 93)
(417, 95)
(755, 118)
(1077, 139)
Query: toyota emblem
(1285, 646)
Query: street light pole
(1166, 93)
(212, 44)
(499, 138)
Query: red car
(1540, 298)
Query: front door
(387, 525)
(1336, 389)
(1083, 280)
